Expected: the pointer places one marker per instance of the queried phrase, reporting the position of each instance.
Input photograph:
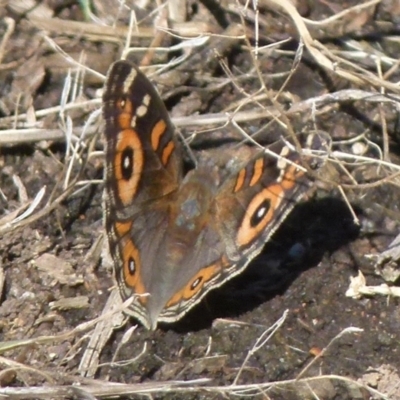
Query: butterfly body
(173, 237)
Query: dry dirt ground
(284, 329)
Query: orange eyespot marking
(125, 117)
(261, 209)
(122, 228)
(132, 267)
(259, 213)
(128, 164)
(196, 283)
(257, 172)
(166, 154)
(240, 180)
(158, 130)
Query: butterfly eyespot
(127, 163)
(260, 212)
(196, 283)
(130, 274)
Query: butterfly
(174, 237)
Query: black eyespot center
(131, 266)
(196, 283)
(127, 163)
(260, 212)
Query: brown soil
(222, 348)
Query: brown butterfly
(176, 237)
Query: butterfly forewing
(142, 154)
(265, 190)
